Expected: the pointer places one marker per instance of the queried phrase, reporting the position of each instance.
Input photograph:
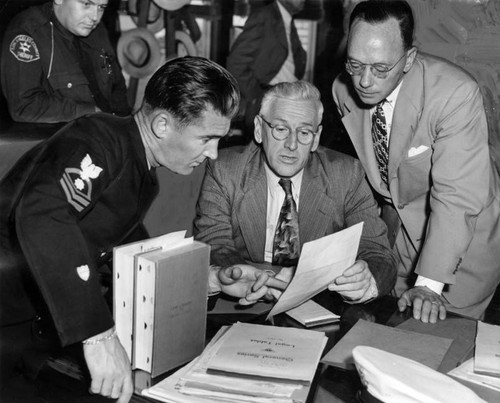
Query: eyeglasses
(281, 132)
(355, 68)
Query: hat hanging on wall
(138, 52)
(171, 5)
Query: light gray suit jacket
(447, 196)
(231, 210)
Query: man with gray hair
(260, 203)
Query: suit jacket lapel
(253, 207)
(314, 205)
(358, 124)
(407, 111)
(280, 30)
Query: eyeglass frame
(272, 127)
(373, 69)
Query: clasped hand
(249, 283)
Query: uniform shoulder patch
(24, 49)
(77, 185)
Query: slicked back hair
(378, 11)
(188, 86)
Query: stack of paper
(248, 363)
(487, 355)
(484, 368)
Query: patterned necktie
(380, 140)
(286, 248)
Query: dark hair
(378, 11)
(188, 86)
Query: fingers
(403, 302)
(427, 306)
(357, 274)
(96, 385)
(253, 297)
(126, 391)
(275, 283)
(230, 275)
(262, 279)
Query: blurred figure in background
(268, 51)
(58, 64)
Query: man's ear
(257, 131)
(315, 144)
(161, 124)
(411, 54)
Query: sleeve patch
(77, 185)
(24, 49)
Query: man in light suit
(266, 52)
(240, 199)
(439, 186)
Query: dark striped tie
(286, 248)
(380, 140)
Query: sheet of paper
(487, 355)
(321, 261)
(466, 372)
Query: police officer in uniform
(58, 64)
(74, 197)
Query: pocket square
(417, 150)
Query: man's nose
(366, 77)
(95, 13)
(291, 141)
(211, 151)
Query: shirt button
(70, 85)
(400, 206)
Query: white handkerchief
(417, 150)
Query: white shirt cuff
(433, 285)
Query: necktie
(380, 140)
(295, 44)
(286, 249)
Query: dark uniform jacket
(66, 203)
(42, 77)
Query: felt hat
(391, 378)
(171, 5)
(138, 52)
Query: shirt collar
(273, 180)
(392, 97)
(287, 17)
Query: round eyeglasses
(355, 68)
(281, 132)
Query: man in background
(58, 64)
(259, 204)
(266, 52)
(419, 128)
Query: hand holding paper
(321, 262)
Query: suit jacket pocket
(414, 175)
